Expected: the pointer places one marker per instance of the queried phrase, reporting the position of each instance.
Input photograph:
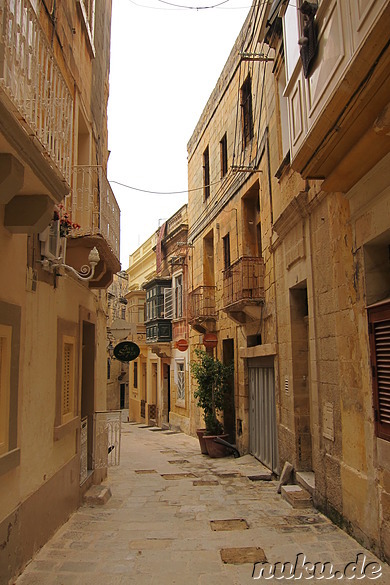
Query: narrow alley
(178, 517)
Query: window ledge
(9, 461)
(61, 431)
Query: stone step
(296, 496)
(97, 495)
(307, 480)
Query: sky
(165, 62)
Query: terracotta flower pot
(215, 449)
(202, 442)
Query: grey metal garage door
(263, 442)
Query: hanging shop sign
(126, 351)
(210, 340)
(182, 344)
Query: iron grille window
(223, 155)
(379, 333)
(226, 251)
(246, 111)
(206, 173)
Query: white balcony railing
(33, 83)
(93, 205)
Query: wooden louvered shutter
(379, 329)
(67, 390)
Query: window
(283, 113)
(157, 301)
(379, 334)
(206, 174)
(293, 28)
(169, 308)
(10, 316)
(178, 287)
(66, 420)
(258, 239)
(123, 312)
(246, 111)
(68, 378)
(135, 373)
(108, 369)
(226, 251)
(5, 371)
(87, 11)
(223, 155)
(181, 381)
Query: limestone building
(59, 241)
(166, 324)
(290, 237)
(117, 371)
(142, 267)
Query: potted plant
(212, 377)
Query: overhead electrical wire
(182, 7)
(194, 7)
(163, 192)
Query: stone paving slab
(158, 532)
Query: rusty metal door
(263, 443)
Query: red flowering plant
(66, 224)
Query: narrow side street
(161, 524)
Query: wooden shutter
(67, 394)
(168, 303)
(379, 329)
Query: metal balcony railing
(93, 205)
(202, 303)
(30, 78)
(243, 281)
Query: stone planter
(216, 449)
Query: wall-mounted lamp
(85, 273)
(110, 350)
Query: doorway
(229, 411)
(263, 443)
(300, 373)
(122, 396)
(88, 386)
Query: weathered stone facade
(54, 62)
(310, 172)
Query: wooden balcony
(243, 289)
(36, 114)
(339, 115)
(93, 206)
(202, 310)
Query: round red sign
(182, 344)
(210, 340)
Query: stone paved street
(157, 527)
